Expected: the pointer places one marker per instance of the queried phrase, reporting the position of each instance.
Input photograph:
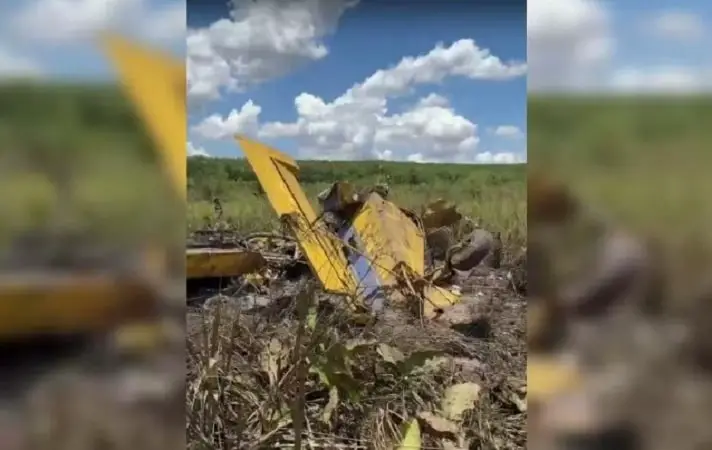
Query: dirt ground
(357, 397)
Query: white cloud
(499, 158)
(676, 25)
(569, 43)
(14, 65)
(434, 100)
(508, 131)
(243, 121)
(661, 80)
(67, 21)
(571, 47)
(385, 155)
(358, 125)
(195, 151)
(167, 24)
(260, 41)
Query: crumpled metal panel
(390, 238)
(440, 213)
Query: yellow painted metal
(277, 174)
(155, 83)
(548, 377)
(393, 240)
(390, 238)
(40, 303)
(221, 263)
(436, 299)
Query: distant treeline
(218, 176)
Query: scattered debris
(366, 326)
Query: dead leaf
(331, 405)
(355, 345)
(520, 403)
(271, 359)
(411, 437)
(439, 424)
(460, 398)
(417, 360)
(390, 354)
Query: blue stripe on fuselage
(368, 281)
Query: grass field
(495, 194)
(88, 140)
(647, 160)
(643, 161)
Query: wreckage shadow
(481, 328)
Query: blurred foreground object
(98, 297)
(91, 328)
(606, 268)
(575, 315)
(155, 83)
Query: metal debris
(359, 244)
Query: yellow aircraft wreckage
(376, 251)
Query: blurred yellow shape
(156, 84)
(548, 376)
(39, 304)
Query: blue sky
(52, 38)
(368, 38)
(671, 34)
(652, 46)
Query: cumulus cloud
(258, 42)
(571, 47)
(195, 151)
(661, 80)
(358, 124)
(499, 158)
(569, 43)
(676, 25)
(242, 121)
(165, 24)
(508, 131)
(14, 65)
(66, 21)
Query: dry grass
(302, 372)
(303, 363)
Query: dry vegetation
(644, 163)
(300, 371)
